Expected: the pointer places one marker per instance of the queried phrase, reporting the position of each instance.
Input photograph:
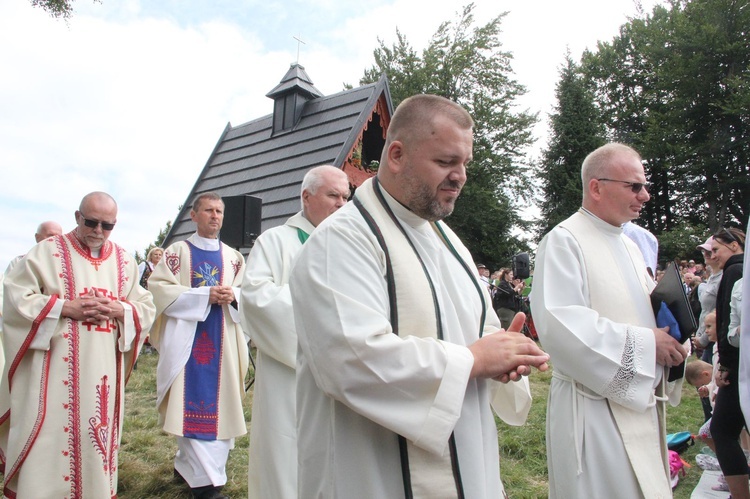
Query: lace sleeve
(620, 388)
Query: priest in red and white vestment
(74, 321)
(203, 354)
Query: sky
(130, 97)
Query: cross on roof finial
(299, 41)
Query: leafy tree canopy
(57, 8)
(575, 130)
(158, 242)
(675, 84)
(465, 63)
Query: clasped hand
(507, 355)
(221, 295)
(95, 307)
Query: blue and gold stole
(201, 418)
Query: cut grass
(147, 453)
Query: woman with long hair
(728, 249)
(507, 297)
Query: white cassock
(267, 316)
(360, 387)
(63, 391)
(598, 362)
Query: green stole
(414, 312)
(302, 235)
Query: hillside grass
(146, 454)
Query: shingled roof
(262, 158)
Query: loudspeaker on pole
(521, 266)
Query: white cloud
(131, 97)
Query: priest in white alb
(401, 352)
(267, 316)
(74, 321)
(592, 310)
(203, 354)
(45, 230)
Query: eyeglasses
(92, 224)
(634, 186)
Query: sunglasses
(726, 235)
(92, 224)
(634, 186)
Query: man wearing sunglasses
(605, 426)
(75, 320)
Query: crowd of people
(383, 350)
(715, 292)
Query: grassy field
(146, 454)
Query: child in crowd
(701, 374)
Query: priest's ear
(395, 157)
(595, 189)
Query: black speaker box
(242, 217)
(521, 266)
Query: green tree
(157, 242)
(575, 130)
(681, 242)
(57, 8)
(466, 63)
(676, 85)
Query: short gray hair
(597, 163)
(314, 178)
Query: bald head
(98, 198)
(47, 229)
(96, 217)
(614, 184)
(414, 119)
(428, 146)
(601, 162)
